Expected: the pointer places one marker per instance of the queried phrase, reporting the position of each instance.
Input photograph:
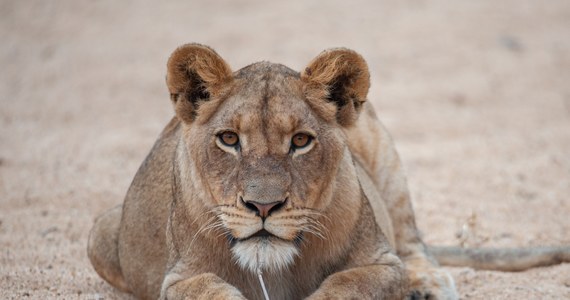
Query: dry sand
(475, 93)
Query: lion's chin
(263, 253)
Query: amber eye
(300, 140)
(229, 138)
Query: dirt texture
(475, 93)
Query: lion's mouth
(262, 234)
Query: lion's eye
(300, 140)
(229, 138)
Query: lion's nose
(264, 209)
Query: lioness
(267, 173)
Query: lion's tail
(501, 259)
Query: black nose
(264, 209)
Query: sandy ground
(475, 93)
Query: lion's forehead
(269, 101)
(265, 68)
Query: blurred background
(475, 93)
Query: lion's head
(264, 146)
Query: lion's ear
(337, 76)
(195, 73)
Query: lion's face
(268, 162)
(266, 152)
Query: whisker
(213, 226)
(223, 233)
(307, 219)
(208, 224)
(315, 231)
(320, 227)
(202, 228)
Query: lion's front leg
(204, 286)
(379, 281)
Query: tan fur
(341, 222)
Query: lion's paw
(430, 284)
